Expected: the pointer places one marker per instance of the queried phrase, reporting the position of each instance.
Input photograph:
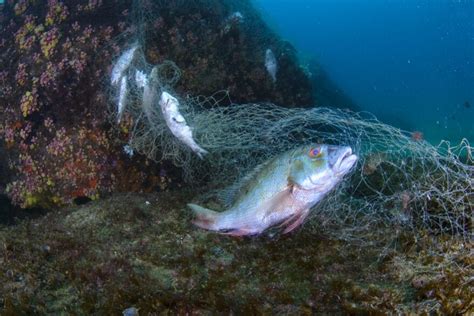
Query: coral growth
(54, 117)
(53, 101)
(73, 164)
(54, 121)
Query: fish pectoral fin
(279, 202)
(298, 219)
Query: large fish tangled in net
(399, 180)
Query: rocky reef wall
(59, 142)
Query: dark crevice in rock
(13, 215)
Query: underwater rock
(55, 78)
(131, 311)
(325, 91)
(234, 59)
(112, 255)
(4, 170)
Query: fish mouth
(345, 161)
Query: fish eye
(315, 152)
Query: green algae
(142, 251)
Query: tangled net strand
(399, 180)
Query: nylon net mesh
(400, 180)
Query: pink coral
(57, 12)
(9, 135)
(58, 144)
(20, 7)
(25, 36)
(72, 164)
(79, 64)
(48, 42)
(92, 5)
(47, 78)
(76, 26)
(29, 102)
(21, 75)
(3, 75)
(25, 131)
(49, 124)
(86, 35)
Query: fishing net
(400, 180)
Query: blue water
(411, 63)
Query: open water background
(409, 62)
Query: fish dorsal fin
(229, 195)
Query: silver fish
(177, 123)
(271, 64)
(141, 79)
(150, 95)
(122, 64)
(280, 191)
(122, 98)
(231, 21)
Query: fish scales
(282, 190)
(270, 180)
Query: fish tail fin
(201, 152)
(205, 218)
